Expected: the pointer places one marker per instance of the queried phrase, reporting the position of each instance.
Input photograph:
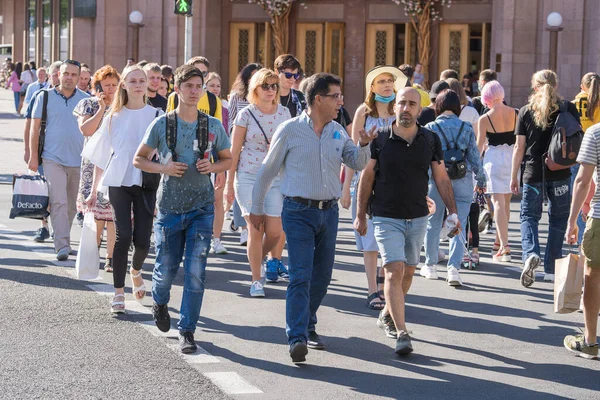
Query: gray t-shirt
(63, 141)
(193, 190)
(589, 153)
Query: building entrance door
(464, 47)
(320, 47)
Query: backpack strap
(42, 137)
(445, 137)
(202, 133)
(171, 133)
(175, 101)
(212, 104)
(462, 126)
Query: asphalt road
(491, 338)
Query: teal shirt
(193, 190)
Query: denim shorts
(400, 240)
(245, 182)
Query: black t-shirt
(287, 101)
(402, 180)
(343, 118)
(536, 145)
(158, 102)
(427, 115)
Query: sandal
(137, 289)
(380, 281)
(108, 265)
(118, 306)
(375, 305)
(496, 246)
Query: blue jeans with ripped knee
(176, 235)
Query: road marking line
(231, 383)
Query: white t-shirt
(115, 147)
(469, 114)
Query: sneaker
(528, 274)
(441, 255)
(314, 341)
(257, 289)
(41, 235)
(548, 277)
(217, 247)
(429, 272)
(403, 344)
(298, 351)
(484, 219)
(454, 277)
(386, 323)
(576, 344)
(80, 219)
(162, 319)
(244, 237)
(282, 271)
(63, 254)
(187, 344)
(272, 275)
(489, 229)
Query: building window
(46, 32)
(31, 26)
(65, 9)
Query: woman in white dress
(497, 128)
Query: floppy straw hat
(401, 79)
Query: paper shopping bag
(88, 260)
(568, 283)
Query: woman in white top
(252, 134)
(112, 151)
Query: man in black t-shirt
(288, 67)
(427, 114)
(398, 177)
(153, 74)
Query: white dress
(497, 161)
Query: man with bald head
(398, 178)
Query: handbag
(87, 265)
(151, 181)
(30, 197)
(568, 283)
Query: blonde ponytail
(545, 100)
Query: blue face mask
(385, 100)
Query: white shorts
(245, 182)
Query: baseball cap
(437, 88)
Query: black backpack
(565, 141)
(454, 158)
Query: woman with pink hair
(496, 128)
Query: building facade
(346, 37)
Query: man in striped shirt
(309, 151)
(586, 345)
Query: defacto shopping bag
(30, 197)
(88, 260)
(568, 283)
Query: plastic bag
(30, 197)
(87, 265)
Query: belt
(320, 204)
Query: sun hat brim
(400, 82)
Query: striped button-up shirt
(309, 164)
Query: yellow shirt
(203, 105)
(581, 102)
(424, 97)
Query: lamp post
(554, 21)
(136, 19)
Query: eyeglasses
(72, 62)
(337, 96)
(273, 86)
(289, 75)
(385, 81)
(204, 73)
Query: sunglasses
(273, 86)
(72, 62)
(289, 75)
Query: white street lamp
(136, 19)
(554, 21)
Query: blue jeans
(17, 97)
(463, 196)
(559, 196)
(311, 236)
(175, 235)
(580, 219)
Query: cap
(437, 88)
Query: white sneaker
(257, 289)
(428, 272)
(244, 237)
(528, 273)
(548, 277)
(441, 255)
(454, 277)
(217, 247)
(484, 219)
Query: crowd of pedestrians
(157, 151)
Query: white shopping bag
(30, 197)
(88, 259)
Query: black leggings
(122, 198)
(473, 225)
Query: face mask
(385, 100)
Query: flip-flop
(375, 305)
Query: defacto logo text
(36, 206)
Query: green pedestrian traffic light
(183, 7)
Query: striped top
(309, 164)
(236, 104)
(589, 153)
